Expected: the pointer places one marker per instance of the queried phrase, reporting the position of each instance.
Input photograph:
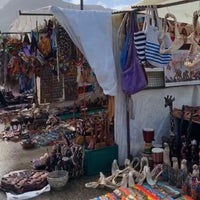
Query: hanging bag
(165, 37)
(133, 76)
(124, 51)
(193, 56)
(152, 48)
(140, 37)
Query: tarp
(91, 32)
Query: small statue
(165, 174)
(195, 171)
(194, 152)
(184, 166)
(166, 154)
(114, 167)
(173, 171)
(169, 99)
(131, 181)
(173, 146)
(124, 181)
(184, 149)
(175, 163)
(182, 174)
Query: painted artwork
(177, 73)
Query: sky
(114, 4)
(3, 2)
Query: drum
(148, 135)
(157, 155)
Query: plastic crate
(155, 78)
(99, 160)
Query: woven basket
(155, 77)
(58, 179)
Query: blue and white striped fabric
(140, 41)
(153, 55)
(152, 48)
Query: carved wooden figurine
(166, 154)
(172, 137)
(195, 171)
(194, 152)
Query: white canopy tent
(91, 32)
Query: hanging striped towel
(154, 56)
(140, 41)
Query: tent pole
(128, 128)
(81, 4)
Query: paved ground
(13, 157)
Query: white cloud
(73, 1)
(3, 3)
(120, 6)
(102, 4)
(114, 4)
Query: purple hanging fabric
(133, 75)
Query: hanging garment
(164, 36)
(140, 36)
(133, 76)
(34, 45)
(44, 45)
(26, 40)
(193, 57)
(152, 48)
(65, 44)
(21, 83)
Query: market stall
(147, 109)
(82, 127)
(61, 74)
(146, 102)
(141, 116)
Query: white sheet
(91, 31)
(27, 195)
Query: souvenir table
(145, 191)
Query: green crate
(99, 160)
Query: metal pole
(81, 4)
(35, 14)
